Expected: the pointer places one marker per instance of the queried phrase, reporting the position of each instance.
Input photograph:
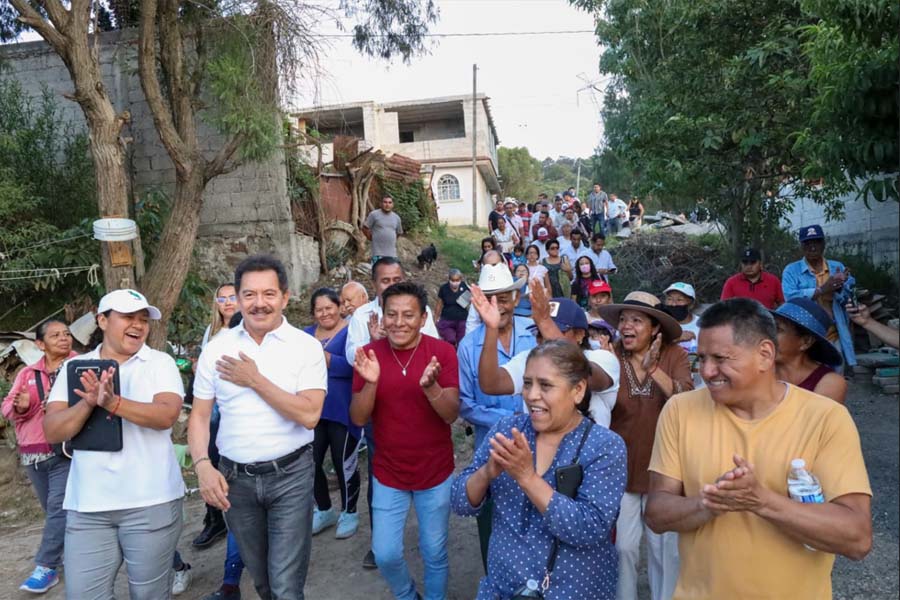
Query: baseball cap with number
(127, 301)
(811, 232)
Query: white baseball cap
(126, 302)
(685, 288)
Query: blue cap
(811, 232)
(566, 314)
(812, 319)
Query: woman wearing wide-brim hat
(653, 369)
(805, 356)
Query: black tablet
(101, 432)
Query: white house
(435, 131)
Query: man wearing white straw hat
(478, 408)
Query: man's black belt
(265, 466)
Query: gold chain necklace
(411, 356)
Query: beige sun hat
(648, 304)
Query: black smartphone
(568, 478)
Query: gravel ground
(335, 573)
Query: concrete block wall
(871, 231)
(244, 212)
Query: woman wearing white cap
(124, 504)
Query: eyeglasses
(224, 299)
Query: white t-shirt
(536, 272)
(691, 346)
(145, 471)
(602, 402)
(358, 329)
(250, 429)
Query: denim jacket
(798, 281)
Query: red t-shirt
(414, 449)
(767, 290)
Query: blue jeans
(234, 566)
(271, 519)
(391, 507)
(595, 219)
(49, 480)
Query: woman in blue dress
(517, 466)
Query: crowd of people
(597, 424)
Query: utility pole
(474, 147)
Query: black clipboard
(101, 432)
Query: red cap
(598, 287)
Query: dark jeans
(370, 452)
(271, 519)
(598, 219)
(49, 480)
(334, 435)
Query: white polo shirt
(358, 329)
(251, 430)
(145, 472)
(602, 402)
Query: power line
(476, 34)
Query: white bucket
(115, 230)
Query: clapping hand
(513, 455)
(376, 328)
(430, 376)
(651, 358)
(737, 490)
(367, 365)
(487, 308)
(95, 386)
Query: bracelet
(200, 460)
(112, 413)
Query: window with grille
(448, 187)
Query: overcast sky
(532, 80)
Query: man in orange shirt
(718, 472)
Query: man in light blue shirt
(828, 282)
(480, 409)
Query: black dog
(427, 256)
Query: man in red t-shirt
(753, 282)
(408, 385)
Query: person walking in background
(505, 236)
(559, 271)
(353, 295)
(123, 505)
(720, 464)
(513, 219)
(597, 202)
(615, 211)
(452, 308)
(269, 381)
(599, 294)
(828, 282)
(653, 369)
(47, 466)
(495, 215)
(334, 431)
(754, 282)
(482, 410)
(585, 274)
(535, 269)
(600, 256)
(805, 357)
(407, 384)
(382, 226)
(519, 470)
(635, 213)
(525, 214)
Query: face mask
(679, 313)
(595, 344)
(584, 268)
(454, 285)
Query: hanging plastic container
(115, 230)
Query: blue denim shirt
(587, 564)
(798, 281)
(480, 409)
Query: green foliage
(386, 28)
(459, 246)
(409, 201)
(520, 173)
(191, 315)
(46, 195)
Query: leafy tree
(224, 62)
(520, 173)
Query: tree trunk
(166, 275)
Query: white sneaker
(182, 581)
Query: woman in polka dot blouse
(516, 465)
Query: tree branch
(33, 19)
(171, 53)
(162, 118)
(218, 165)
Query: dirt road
(335, 572)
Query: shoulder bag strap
(554, 548)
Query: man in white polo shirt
(269, 380)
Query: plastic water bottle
(531, 590)
(803, 486)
